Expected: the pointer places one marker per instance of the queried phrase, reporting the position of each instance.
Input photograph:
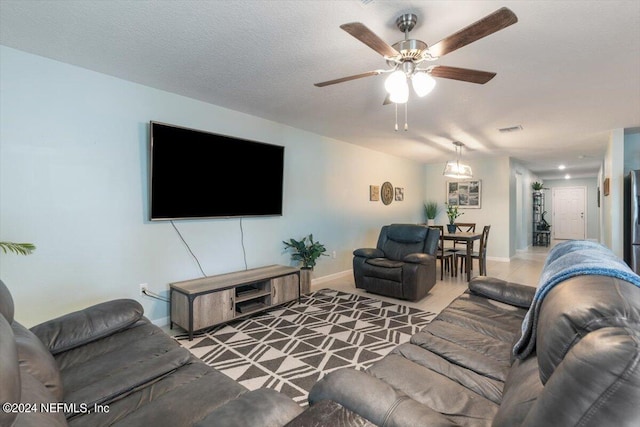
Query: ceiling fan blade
(346, 79)
(463, 74)
(496, 21)
(368, 37)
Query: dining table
(464, 237)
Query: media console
(201, 303)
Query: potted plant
(306, 251)
(537, 186)
(18, 248)
(431, 212)
(452, 214)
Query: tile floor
(524, 268)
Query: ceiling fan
(408, 58)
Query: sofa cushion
(407, 233)
(103, 370)
(437, 392)
(596, 384)
(36, 359)
(486, 387)
(81, 327)
(180, 399)
(503, 291)
(35, 393)
(384, 263)
(374, 400)
(133, 374)
(577, 307)
(399, 240)
(383, 269)
(521, 389)
(259, 408)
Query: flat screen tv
(195, 174)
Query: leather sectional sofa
(108, 365)
(461, 369)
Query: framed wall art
(464, 194)
(386, 193)
(399, 194)
(374, 193)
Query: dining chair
(445, 256)
(481, 255)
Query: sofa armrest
(381, 404)
(503, 291)
(419, 258)
(81, 327)
(369, 253)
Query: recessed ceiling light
(561, 167)
(567, 176)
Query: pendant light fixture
(455, 168)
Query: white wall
(525, 209)
(612, 205)
(73, 180)
(495, 174)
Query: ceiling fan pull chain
(406, 121)
(396, 116)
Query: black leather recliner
(403, 265)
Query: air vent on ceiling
(511, 129)
(366, 2)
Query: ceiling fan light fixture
(400, 95)
(422, 83)
(395, 82)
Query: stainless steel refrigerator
(632, 221)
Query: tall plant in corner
(18, 248)
(306, 251)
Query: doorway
(569, 212)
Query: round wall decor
(386, 193)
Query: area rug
(290, 347)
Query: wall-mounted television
(195, 174)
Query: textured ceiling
(567, 72)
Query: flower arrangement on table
(452, 213)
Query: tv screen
(195, 174)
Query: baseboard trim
(330, 277)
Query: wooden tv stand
(201, 303)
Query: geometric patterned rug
(290, 347)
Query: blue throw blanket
(566, 260)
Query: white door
(569, 212)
